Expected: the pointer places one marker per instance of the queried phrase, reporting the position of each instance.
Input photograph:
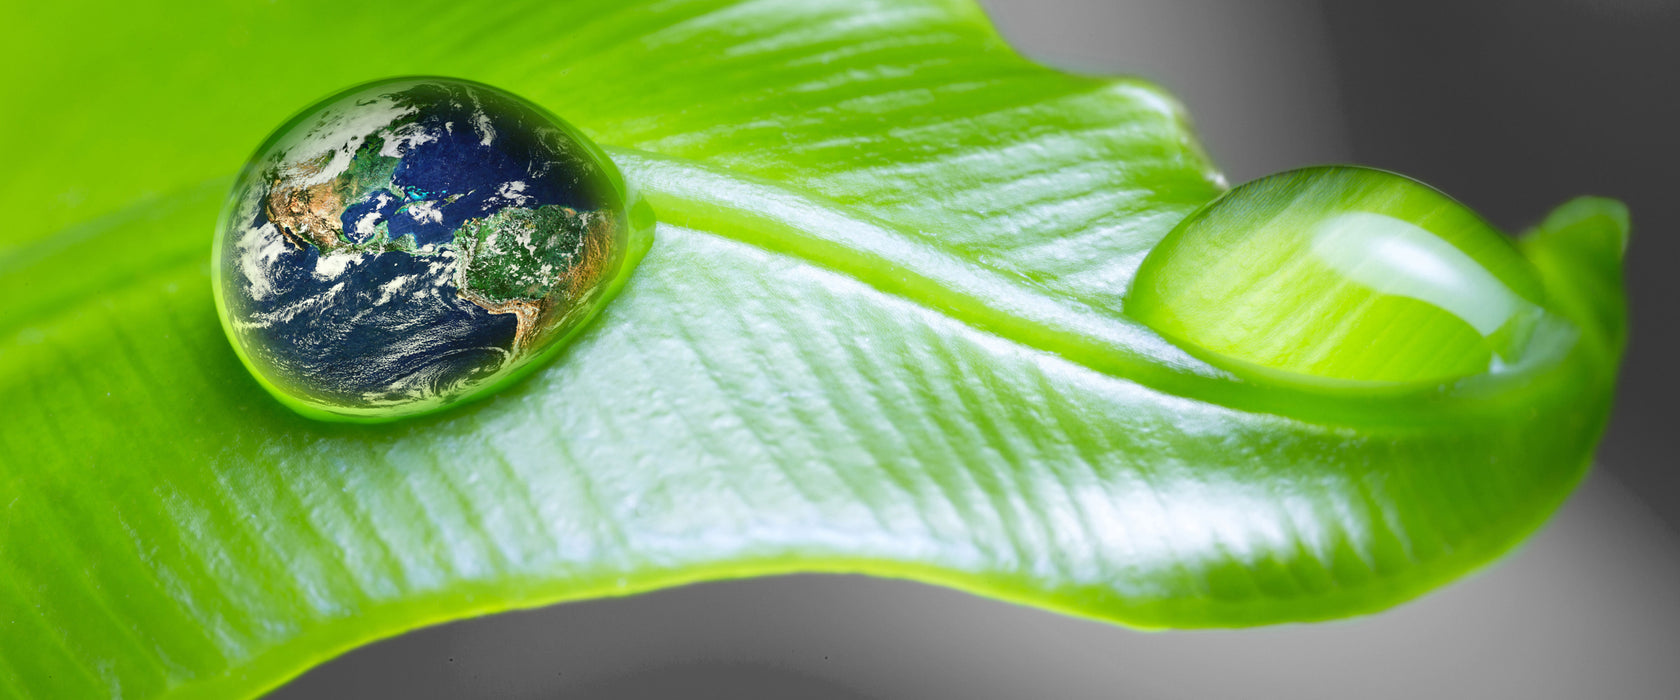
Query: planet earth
(405, 244)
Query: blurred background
(1512, 107)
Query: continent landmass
(308, 212)
(531, 263)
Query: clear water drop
(1342, 273)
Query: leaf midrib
(768, 216)
(816, 231)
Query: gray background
(1510, 106)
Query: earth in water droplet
(412, 243)
(1343, 273)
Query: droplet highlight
(1343, 274)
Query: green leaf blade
(893, 342)
(1118, 501)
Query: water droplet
(1342, 273)
(412, 243)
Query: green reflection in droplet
(1342, 273)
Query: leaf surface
(881, 329)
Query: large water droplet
(1342, 273)
(412, 243)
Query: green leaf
(882, 328)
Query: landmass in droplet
(536, 264)
(409, 244)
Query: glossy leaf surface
(882, 328)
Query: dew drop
(1342, 273)
(412, 243)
